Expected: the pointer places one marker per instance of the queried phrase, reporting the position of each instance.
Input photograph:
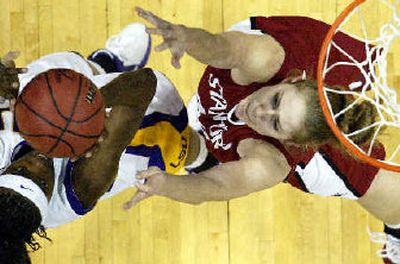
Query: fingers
(137, 197)
(163, 46)
(154, 31)
(146, 181)
(12, 55)
(101, 139)
(143, 189)
(8, 59)
(175, 60)
(10, 93)
(15, 71)
(104, 134)
(148, 173)
(12, 104)
(88, 154)
(91, 151)
(168, 31)
(74, 159)
(150, 17)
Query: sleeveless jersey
(162, 140)
(327, 171)
(301, 39)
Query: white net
(374, 85)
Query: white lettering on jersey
(219, 115)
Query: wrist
(165, 181)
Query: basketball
(60, 113)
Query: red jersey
(301, 39)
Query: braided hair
(19, 220)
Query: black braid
(19, 220)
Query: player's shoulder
(8, 141)
(60, 60)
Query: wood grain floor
(278, 226)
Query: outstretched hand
(151, 182)
(9, 82)
(172, 35)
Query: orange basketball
(60, 113)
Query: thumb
(136, 198)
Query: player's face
(37, 167)
(276, 111)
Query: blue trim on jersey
(179, 122)
(20, 150)
(73, 199)
(146, 55)
(154, 153)
(120, 64)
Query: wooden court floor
(278, 226)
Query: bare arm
(252, 58)
(261, 167)
(129, 95)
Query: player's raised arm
(129, 95)
(262, 166)
(250, 55)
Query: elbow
(142, 79)
(133, 89)
(141, 87)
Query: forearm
(210, 49)
(221, 183)
(193, 189)
(93, 176)
(129, 97)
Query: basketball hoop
(378, 79)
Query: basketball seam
(54, 125)
(89, 117)
(50, 136)
(68, 121)
(53, 99)
(64, 127)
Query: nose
(263, 111)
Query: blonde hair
(316, 130)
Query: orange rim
(323, 102)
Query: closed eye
(276, 123)
(276, 100)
